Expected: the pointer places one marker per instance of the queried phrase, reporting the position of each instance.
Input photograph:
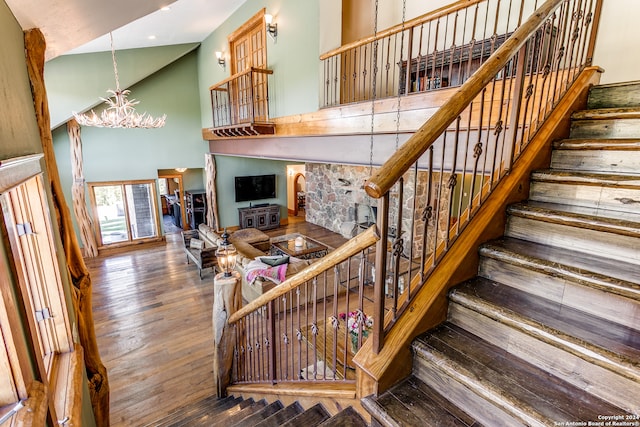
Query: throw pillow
(196, 243)
(275, 261)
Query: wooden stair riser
(621, 199)
(612, 161)
(585, 294)
(605, 128)
(483, 404)
(615, 246)
(619, 95)
(540, 349)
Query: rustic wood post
(77, 191)
(212, 195)
(96, 372)
(227, 300)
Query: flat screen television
(255, 187)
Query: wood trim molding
(256, 19)
(34, 412)
(18, 170)
(377, 372)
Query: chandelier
(120, 111)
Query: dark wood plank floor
(153, 323)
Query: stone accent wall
(332, 194)
(333, 191)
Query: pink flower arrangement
(356, 319)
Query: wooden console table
(262, 217)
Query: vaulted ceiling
(81, 26)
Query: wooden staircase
(239, 412)
(548, 332)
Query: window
(248, 49)
(31, 241)
(34, 318)
(124, 211)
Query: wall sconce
(272, 29)
(221, 60)
(226, 255)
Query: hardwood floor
(153, 323)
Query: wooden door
(248, 50)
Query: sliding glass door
(124, 211)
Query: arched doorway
(299, 191)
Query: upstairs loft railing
(240, 104)
(428, 191)
(439, 49)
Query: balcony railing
(428, 192)
(439, 49)
(240, 104)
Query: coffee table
(309, 249)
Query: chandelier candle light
(120, 111)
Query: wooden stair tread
(311, 417)
(281, 416)
(348, 417)
(412, 403)
(209, 417)
(263, 414)
(624, 223)
(239, 415)
(607, 113)
(620, 95)
(608, 344)
(600, 272)
(202, 406)
(591, 177)
(506, 380)
(597, 144)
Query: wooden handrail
(240, 74)
(352, 247)
(434, 14)
(382, 181)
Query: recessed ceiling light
(151, 37)
(165, 8)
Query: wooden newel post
(227, 300)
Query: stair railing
(240, 99)
(431, 187)
(308, 328)
(439, 49)
(300, 330)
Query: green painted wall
(131, 154)
(294, 85)
(76, 82)
(228, 168)
(18, 129)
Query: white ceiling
(81, 26)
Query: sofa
(251, 244)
